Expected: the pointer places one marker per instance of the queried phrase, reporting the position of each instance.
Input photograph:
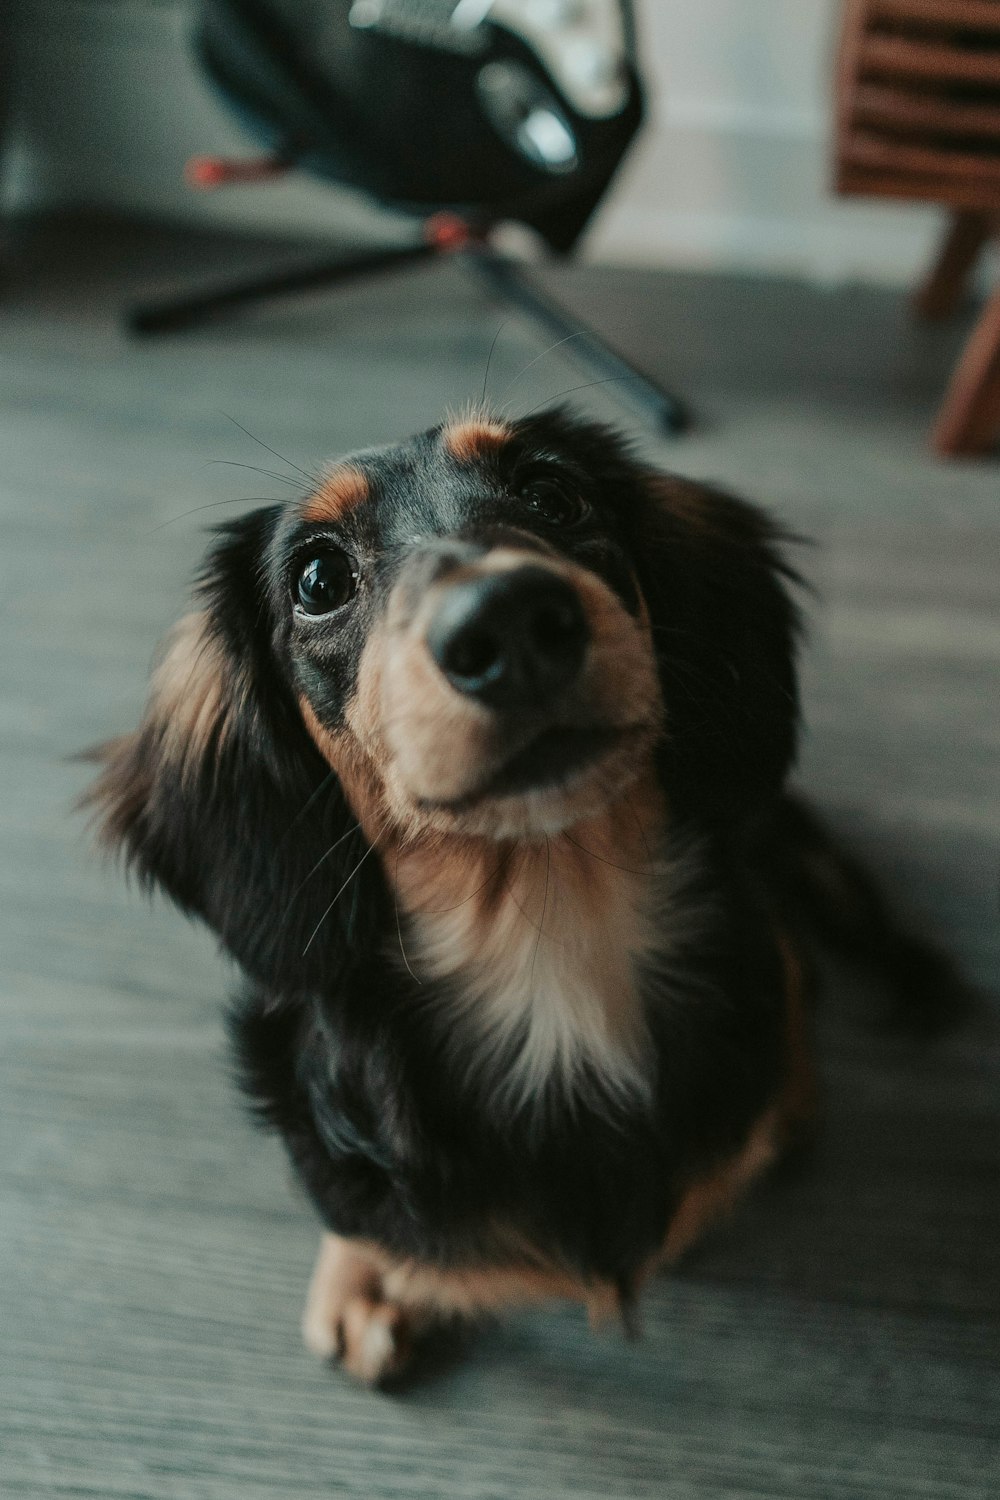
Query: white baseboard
(828, 249)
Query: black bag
(498, 109)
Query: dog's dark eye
(554, 502)
(327, 582)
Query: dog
(474, 757)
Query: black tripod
(443, 234)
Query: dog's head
(489, 631)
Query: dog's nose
(510, 639)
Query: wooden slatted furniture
(918, 117)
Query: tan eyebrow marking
(343, 488)
(474, 437)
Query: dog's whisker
(370, 850)
(441, 911)
(399, 927)
(625, 869)
(318, 865)
(331, 776)
(509, 888)
(572, 390)
(312, 478)
(212, 505)
(531, 364)
(235, 463)
(489, 360)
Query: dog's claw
(374, 1342)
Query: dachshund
(474, 758)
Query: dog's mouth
(551, 760)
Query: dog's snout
(510, 639)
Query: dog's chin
(563, 775)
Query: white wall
(732, 171)
(736, 166)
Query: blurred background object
(464, 117)
(731, 173)
(918, 117)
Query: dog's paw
(347, 1317)
(368, 1337)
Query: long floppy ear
(220, 798)
(724, 630)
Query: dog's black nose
(510, 639)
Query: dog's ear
(220, 797)
(724, 630)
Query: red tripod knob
(207, 172)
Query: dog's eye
(555, 503)
(327, 582)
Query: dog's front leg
(347, 1315)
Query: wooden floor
(841, 1338)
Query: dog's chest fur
(560, 1065)
(536, 956)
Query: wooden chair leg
(969, 419)
(948, 278)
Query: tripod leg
(184, 312)
(509, 282)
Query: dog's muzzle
(509, 689)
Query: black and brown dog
(473, 758)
